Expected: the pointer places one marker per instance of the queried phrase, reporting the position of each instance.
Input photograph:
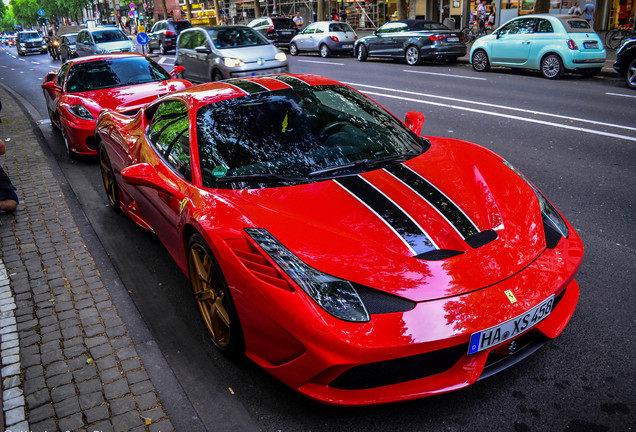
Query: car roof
(566, 21)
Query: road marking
(465, 101)
(445, 75)
(35, 63)
(508, 116)
(622, 95)
(321, 62)
(162, 60)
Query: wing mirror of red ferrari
(414, 120)
(50, 77)
(144, 174)
(176, 70)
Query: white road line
(466, 101)
(321, 62)
(622, 95)
(35, 63)
(508, 116)
(162, 60)
(445, 75)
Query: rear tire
(630, 75)
(362, 53)
(324, 51)
(412, 55)
(67, 145)
(108, 178)
(293, 49)
(480, 61)
(552, 67)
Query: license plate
(510, 329)
(286, 32)
(590, 45)
(452, 39)
(347, 46)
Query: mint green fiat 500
(552, 44)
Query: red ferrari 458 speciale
(354, 260)
(83, 86)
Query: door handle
(526, 42)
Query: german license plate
(510, 329)
(347, 45)
(590, 45)
(452, 39)
(286, 32)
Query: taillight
(169, 33)
(436, 38)
(355, 38)
(334, 38)
(270, 29)
(572, 44)
(462, 36)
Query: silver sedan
(325, 38)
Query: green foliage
(25, 11)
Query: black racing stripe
(436, 199)
(393, 215)
(247, 86)
(291, 81)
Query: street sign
(132, 6)
(142, 38)
(41, 12)
(131, 14)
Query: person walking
(575, 10)
(298, 20)
(588, 12)
(481, 16)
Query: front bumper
(80, 136)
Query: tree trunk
(542, 6)
(165, 9)
(189, 10)
(257, 9)
(402, 9)
(217, 12)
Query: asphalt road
(575, 138)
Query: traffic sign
(41, 12)
(142, 38)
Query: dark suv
(30, 42)
(625, 63)
(163, 35)
(278, 31)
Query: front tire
(412, 55)
(480, 61)
(362, 53)
(324, 51)
(67, 144)
(293, 49)
(552, 67)
(214, 299)
(217, 76)
(630, 75)
(108, 178)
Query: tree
(402, 9)
(542, 6)
(257, 9)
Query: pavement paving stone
(122, 405)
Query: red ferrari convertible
(354, 260)
(82, 87)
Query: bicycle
(615, 37)
(473, 33)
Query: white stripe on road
(321, 62)
(622, 95)
(465, 101)
(162, 60)
(444, 75)
(508, 116)
(35, 63)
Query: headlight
(334, 295)
(550, 215)
(281, 57)
(81, 112)
(232, 62)
(22, 45)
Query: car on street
(67, 46)
(4, 39)
(352, 258)
(83, 86)
(103, 40)
(163, 35)
(278, 30)
(551, 44)
(625, 63)
(413, 41)
(220, 52)
(325, 38)
(29, 41)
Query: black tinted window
(284, 24)
(168, 133)
(182, 25)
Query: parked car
(83, 86)
(340, 250)
(412, 40)
(11, 40)
(552, 44)
(4, 39)
(625, 63)
(220, 52)
(67, 46)
(325, 38)
(279, 31)
(28, 41)
(163, 35)
(102, 40)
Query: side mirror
(144, 174)
(176, 70)
(203, 50)
(414, 120)
(50, 77)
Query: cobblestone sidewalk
(68, 362)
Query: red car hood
(330, 228)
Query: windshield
(30, 35)
(236, 38)
(105, 36)
(71, 39)
(302, 134)
(102, 74)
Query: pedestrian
(343, 14)
(575, 10)
(8, 198)
(298, 20)
(481, 16)
(588, 12)
(493, 14)
(334, 15)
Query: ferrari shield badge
(184, 202)
(510, 296)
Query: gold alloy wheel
(109, 179)
(209, 294)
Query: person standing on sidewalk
(8, 198)
(588, 12)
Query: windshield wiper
(260, 177)
(365, 163)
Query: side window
(393, 27)
(525, 26)
(310, 30)
(319, 30)
(510, 28)
(168, 133)
(59, 79)
(80, 38)
(198, 40)
(185, 39)
(544, 26)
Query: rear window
(182, 25)
(284, 24)
(428, 26)
(340, 27)
(577, 26)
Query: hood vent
(480, 239)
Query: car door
(168, 134)
(185, 54)
(313, 44)
(385, 36)
(153, 36)
(201, 59)
(52, 94)
(302, 40)
(511, 45)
